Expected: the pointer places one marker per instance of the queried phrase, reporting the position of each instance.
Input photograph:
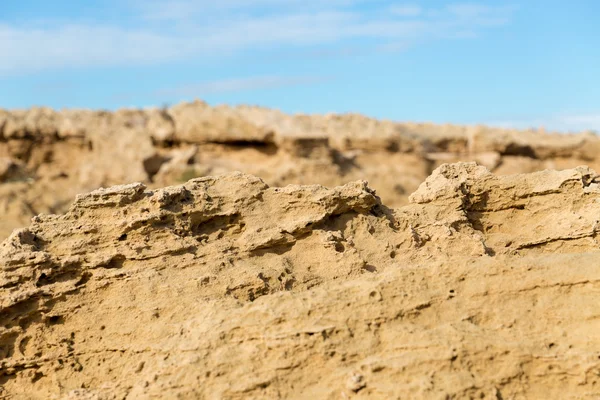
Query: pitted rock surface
(483, 286)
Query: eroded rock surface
(484, 286)
(48, 157)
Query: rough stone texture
(484, 286)
(47, 157)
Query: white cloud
(239, 84)
(162, 31)
(563, 122)
(80, 45)
(469, 10)
(481, 14)
(187, 9)
(407, 10)
(590, 120)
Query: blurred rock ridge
(47, 157)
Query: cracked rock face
(483, 286)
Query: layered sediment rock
(483, 286)
(47, 157)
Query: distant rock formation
(47, 157)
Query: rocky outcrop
(47, 157)
(483, 286)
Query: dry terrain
(48, 157)
(294, 278)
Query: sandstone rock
(198, 123)
(74, 151)
(8, 169)
(161, 126)
(484, 286)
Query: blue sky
(511, 63)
